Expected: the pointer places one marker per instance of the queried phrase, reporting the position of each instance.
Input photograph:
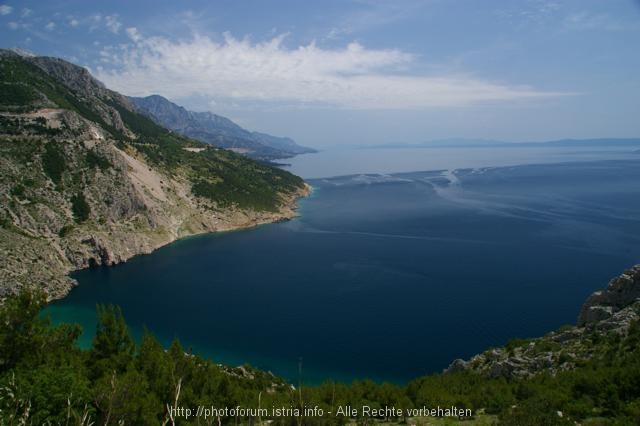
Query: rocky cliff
(603, 305)
(607, 314)
(85, 180)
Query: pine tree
(113, 348)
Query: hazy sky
(361, 71)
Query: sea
(401, 261)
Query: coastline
(42, 259)
(288, 210)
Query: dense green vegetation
(26, 126)
(93, 159)
(80, 207)
(45, 377)
(16, 94)
(53, 162)
(232, 179)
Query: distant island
(489, 143)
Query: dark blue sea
(386, 276)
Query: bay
(387, 275)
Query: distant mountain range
(464, 143)
(216, 130)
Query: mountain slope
(216, 130)
(86, 180)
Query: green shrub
(53, 162)
(18, 191)
(65, 230)
(80, 208)
(516, 343)
(93, 159)
(16, 94)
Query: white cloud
(50, 26)
(134, 34)
(525, 15)
(243, 71)
(112, 23)
(370, 15)
(13, 25)
(94, 21)
(26, 12)
(590, 21)
(5, 9)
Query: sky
(354, 72)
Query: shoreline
(288, 210)
(292, 207)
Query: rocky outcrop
(606, 313)
(621, 292)
(87, 88)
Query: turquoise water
(386, 276)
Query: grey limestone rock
(620, 293)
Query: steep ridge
(85, 180)
(217, 130)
